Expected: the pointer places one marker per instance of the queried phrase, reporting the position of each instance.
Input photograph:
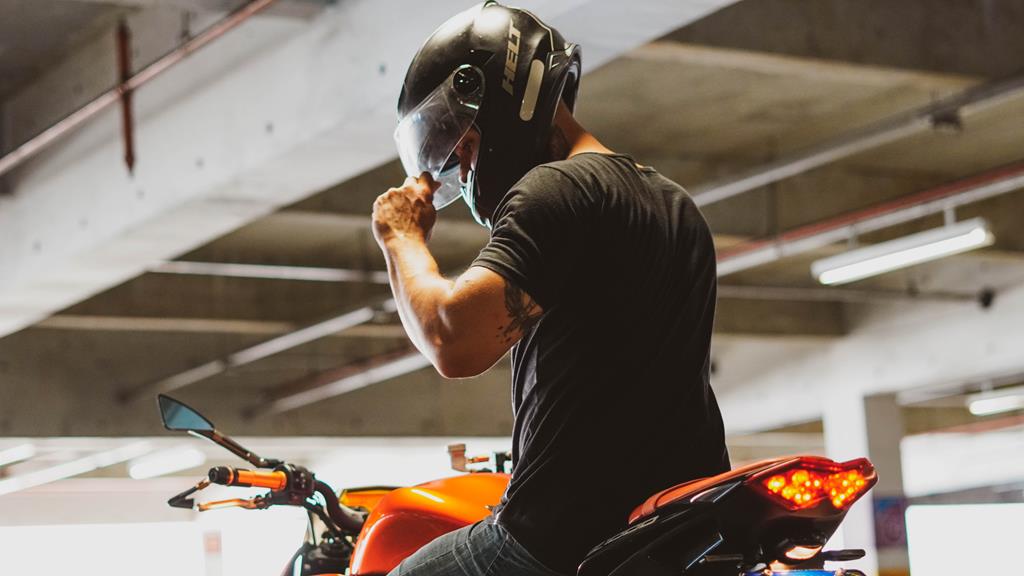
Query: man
(599, 276)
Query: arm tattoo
(522, 311)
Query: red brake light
(805, 482)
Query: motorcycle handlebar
(346, 518)
(275, 480)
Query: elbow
(452, 366)
(454, 361)
(456, 351)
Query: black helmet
(499, 70)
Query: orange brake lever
(255, 503)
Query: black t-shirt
(610, 387)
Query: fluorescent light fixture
(17, 454)
(165, 462)
(996, 401)
(74, 467)
(903, 252)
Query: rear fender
(665, 545)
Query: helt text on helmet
(511, 58)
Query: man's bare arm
(464, 325)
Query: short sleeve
(536, 231)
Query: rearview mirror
(178, 416)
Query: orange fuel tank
(407, 518)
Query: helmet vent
(468, 81)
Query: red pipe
(945, 191)
(124, 66)
(101, 102)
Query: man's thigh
(467, 551)
(482, 549)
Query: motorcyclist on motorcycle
(599, 276)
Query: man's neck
(575, 138)
(586, 142)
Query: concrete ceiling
(713, 98)
(37, 33)
(973, 37)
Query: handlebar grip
(276, 480)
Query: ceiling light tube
(902, 252)
(165, 462)
(17, 454)
(996, 401)
(73, 467)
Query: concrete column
(846, 436)
(872, 426)
(885, 430)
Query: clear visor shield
(428, 135)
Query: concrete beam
(163, 324)
(226, 298)
(273, 132)
(750, 310)
(974, 37)
(794, 66)
(779, 318)
(66, 383)
(342, 240)
(764, 383)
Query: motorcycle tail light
(807, 481)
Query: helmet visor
(428, 135)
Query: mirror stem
(236, 449)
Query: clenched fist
(406, 211)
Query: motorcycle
(768, 518)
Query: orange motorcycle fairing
(365, 498)
(405, 519)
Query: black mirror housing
(178, 416)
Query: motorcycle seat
(694, 487)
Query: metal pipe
(40, 141)
(271, 272)
(297, 388)
(377, 370)
(259, 351)
(811, 294)
(946, 112)
(124, 66)
(911, 207)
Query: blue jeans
(482, 549)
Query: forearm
(420, 293)
(462, 326)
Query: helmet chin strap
(468, 189)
